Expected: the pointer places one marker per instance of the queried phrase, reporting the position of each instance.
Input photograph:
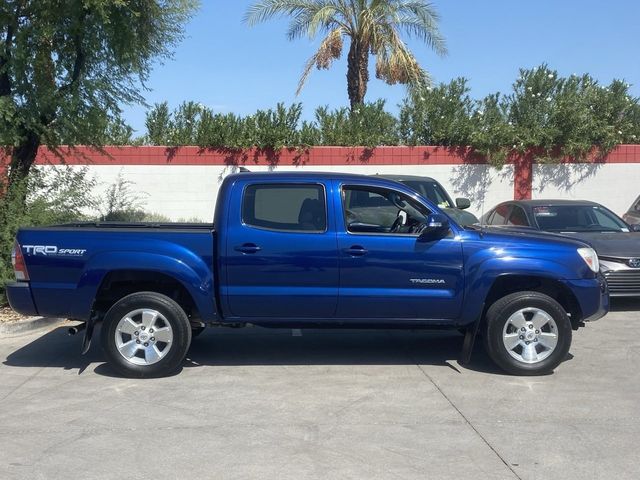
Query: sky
(231, 67)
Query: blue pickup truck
(310, 250)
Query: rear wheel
(527, 333)
(146, 334)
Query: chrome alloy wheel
(530, 335)
(143, 336)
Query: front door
(281, 255)
(386, 271)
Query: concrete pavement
(340, 404)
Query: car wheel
(527, 333)
(145, 334)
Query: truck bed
(173, 226)
(69, 263)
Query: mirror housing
(437, 227)
(635, 227)
(463, 203)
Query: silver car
(632, 217)
(616, 242)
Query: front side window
(380, 210)
(432, 191)
(295, 208)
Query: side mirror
(437, 226)
(635, 227)
(463, 203)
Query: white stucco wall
(614, 185)
(189, 191)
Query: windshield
(577, 218)
(431, 191)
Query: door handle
(356, 251)
(247, 248)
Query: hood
(611, 244)
(522, 234)
(461, 217)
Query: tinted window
(517, 217)
(577, 218)
(285, 207)
(432, 191)
(499, 215)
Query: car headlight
(590, 257)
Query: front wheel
(145, 334)
(527, 333)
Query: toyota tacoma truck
(300, 250)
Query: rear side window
(518, 217)
(499, 215)
(292, 208)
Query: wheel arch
(507, 284)
(118, 274)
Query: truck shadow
(265, 347)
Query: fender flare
(189, 270)
(482, 276)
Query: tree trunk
(357, 72)
(22, 159)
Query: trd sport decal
(52, 250)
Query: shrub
(122, 202)
(52, 197)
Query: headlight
(590, 257)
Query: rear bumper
(593, 297)
(20, 298)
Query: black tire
(498, 315)
(178, 345)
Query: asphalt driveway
(266, 404)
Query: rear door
(281, 252)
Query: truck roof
(401, 178)
(311, 175)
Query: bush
(546, 114)
(271, 129)
(122, 203)
(58, 196)
(369, 125)
(551, 116)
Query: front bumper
(623, 280)
(592, 296)
(20, 298)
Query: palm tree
(372, 26)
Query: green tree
(373, 27)
(66, 66)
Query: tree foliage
(66, 67)
(545, 114)
(373, 27)
(194, 124)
